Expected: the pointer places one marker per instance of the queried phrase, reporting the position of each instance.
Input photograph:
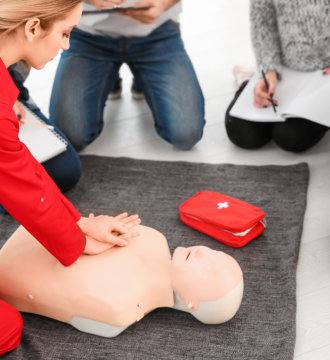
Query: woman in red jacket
(35, 31)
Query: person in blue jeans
(149, 41)
(65, 168)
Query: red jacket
(26, 190)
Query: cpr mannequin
(104, 294)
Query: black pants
(295, 134)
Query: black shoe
(116, 91)
(137, 94)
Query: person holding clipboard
(144, 34)
(288, 34)
(27, 192)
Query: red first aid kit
(229, 220)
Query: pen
(27, 121)
(271, 95)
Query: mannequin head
(208, 282)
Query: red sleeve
(33, 199)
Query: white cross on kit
(223, 205)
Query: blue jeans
(163, 72)
(64, 169)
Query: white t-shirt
(116, 25)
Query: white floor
(216, 35)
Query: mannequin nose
(198, 252)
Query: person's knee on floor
(187, 143)
(184, 137)
(247, 134)
(297, 134)
(11, 327)
(184, 141)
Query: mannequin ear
(191, 306)
(32, 29)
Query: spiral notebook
(42, 142)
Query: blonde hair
(14, 13)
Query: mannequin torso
(105, 293)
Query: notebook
(42, 142)
(299, 94)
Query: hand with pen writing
(104, 4)
(103, 232)
(265, 90)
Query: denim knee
(78, 143)
(184, 138)
(186, 141)
(64, 169)
(70, 178)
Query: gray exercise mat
(264, 327)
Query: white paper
(42, 142)
(299, 94)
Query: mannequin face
(202, 274)
(42, 46)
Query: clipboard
(116, 9)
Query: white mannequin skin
(105, 293)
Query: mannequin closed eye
(188, 255)
(203, 274)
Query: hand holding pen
(265, 90)
(35, 123)
(21, 113)
(19, 110)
